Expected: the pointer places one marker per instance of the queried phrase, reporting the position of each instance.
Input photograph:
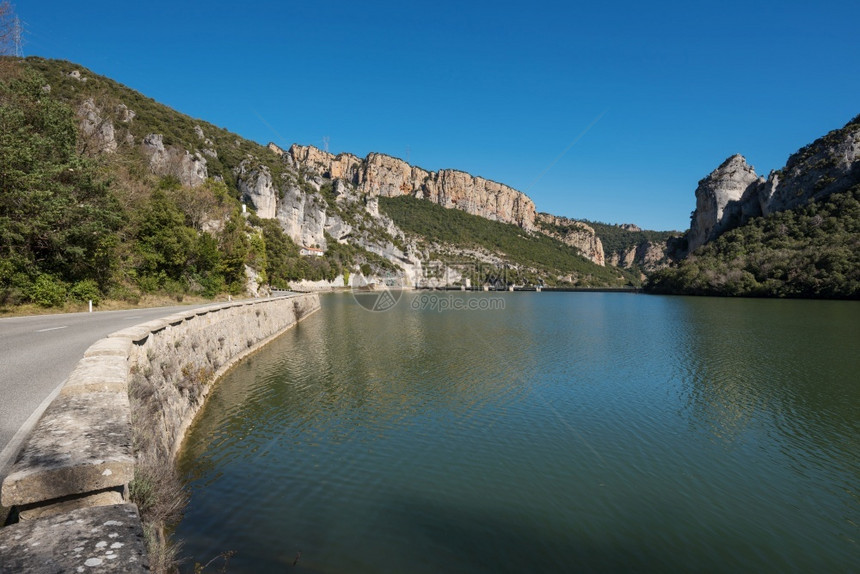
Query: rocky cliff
(729, 182)
(573, 233)
(828, 165)
(648, 255)
(337, 203)
(189, 169)
(733, 194)
(257, 188)
(382, 175)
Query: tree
(235, 246)
(204, 203)
(165, 244)
(57, 216)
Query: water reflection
(595, 431)
(785, 365)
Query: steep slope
(386, 176)
(630, 247)
(810, 251)
(574, 233)
(729, 183)
(177, 189)
(795, 234)
(484, 251)
(107, 193)
(733, 194)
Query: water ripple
(589, 431)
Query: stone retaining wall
(76, 466)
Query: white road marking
(135, 317)
(51, 329)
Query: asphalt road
(38, 353)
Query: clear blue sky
(499, 89)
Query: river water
(564, 432)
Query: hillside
(538, 257)
(95, 206)
(109, 194)
(810, 251)
(795, 233)
(618, 239)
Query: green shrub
(47, 291)
(84, 291)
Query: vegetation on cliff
(58, 217)
(617, 239)
(78, 225)
(151, 117)
(548, 258)
(811, 251)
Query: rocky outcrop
(625, 259)
(342, 166)
(382, 175)
(303, 217)
(124, 114)
(651, 255)
(648, 256)
(732, 194)
(729, 182)
(97, 128)
(829, 165)
(255, 185)
(189, 169)
(574, 233)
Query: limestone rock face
(255, 185)
(624, 259)
(830, 164)
(337, 227)
(386, 176)
(732, 195)
(573, 233)
(153, 145)
(343, 166)
(189, 169)
(97, 128)
(729, 182)
(372, 206)
(192, 169)
(124, 114)
(302, 217)
(648, 255)
(278, 151)
(651, 256)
